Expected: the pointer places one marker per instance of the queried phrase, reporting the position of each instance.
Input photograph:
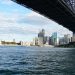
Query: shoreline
(36, 46)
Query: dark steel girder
(53, 9)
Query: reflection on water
(36, 61)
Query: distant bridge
(61, 11)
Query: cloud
(35, 19)
(11, 24)
(22, 24)
(7, 2)
(45, 23)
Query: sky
(23, 24)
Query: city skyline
(20, 23)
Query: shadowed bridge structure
(60, 11)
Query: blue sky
(20, 23)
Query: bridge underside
(56, 10)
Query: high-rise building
(41, 36)
(47, 40)
(35, 41)
(41, 33)
(67, 38)
(50, 41)
(40, 41)
(73, 38)
(61, 41)
(54, 39)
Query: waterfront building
(73, 38)
(67, 38)
(8, 43)
(54, 39)
(41, 33)
(50, 41)
(35, 41)
(27, 44)
(41, 37)
(21, 43)
(40, 41)
(45, 39)
(61, 41)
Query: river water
(36, 61)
